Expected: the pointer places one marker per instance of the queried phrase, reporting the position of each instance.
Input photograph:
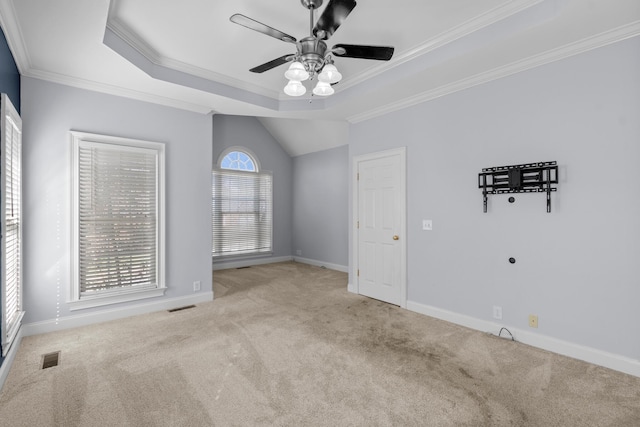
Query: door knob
(396, 237)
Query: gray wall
(320, 206)
(49, 112)
(577, 268)
(229, 131)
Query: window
(118, 224)
(238, 160)
(11, 207)
(242, 206)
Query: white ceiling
(187, 53)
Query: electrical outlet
(196, 286)
(497, 312)
(533, 321)
(298, 252)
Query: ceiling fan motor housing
(312, 51)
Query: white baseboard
(565, 348)
(223, 265)
(8, 360)
(84, 319)
(337, 267)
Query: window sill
(114, 298)
(231, 257)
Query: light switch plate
(427, 224)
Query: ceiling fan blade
(271, 64)
(334, 14)
(381, 53)
(252, 24)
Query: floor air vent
(181, 308)
(50, 360)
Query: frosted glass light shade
(296, 72)
(323, 89)
(329, 74)
(295, 88)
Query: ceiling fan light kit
(297, 72)
(295, 88)
(330, 74)
(312, 58)
(323, 89)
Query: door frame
(402, 152)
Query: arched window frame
(243, 150)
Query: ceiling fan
(312, 56)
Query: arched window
(238, 160)
(242, 205)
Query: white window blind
(11, 173)
(242, 213)
(118, 211)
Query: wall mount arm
(525, 178)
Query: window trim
(76, 301)
(9, 332)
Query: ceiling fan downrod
(312, 49)
(312, 5)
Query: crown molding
(116, 90)
(129, 37)
(160, 72)
(594, 42)
(13, 33)
(472, 25)
(137, 43)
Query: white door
(380, 226)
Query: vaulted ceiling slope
(189, 55)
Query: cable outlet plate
(497, 312)
(533, 321)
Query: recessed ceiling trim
(116, 91)
(477, 23)
(137, 43)
(125, 42)
(472, 25)
(13, 34)
(133, 40)
(600, 40)
(160, 72)
(125, 34)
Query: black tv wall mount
(527, 178)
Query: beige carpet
(286, 345)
